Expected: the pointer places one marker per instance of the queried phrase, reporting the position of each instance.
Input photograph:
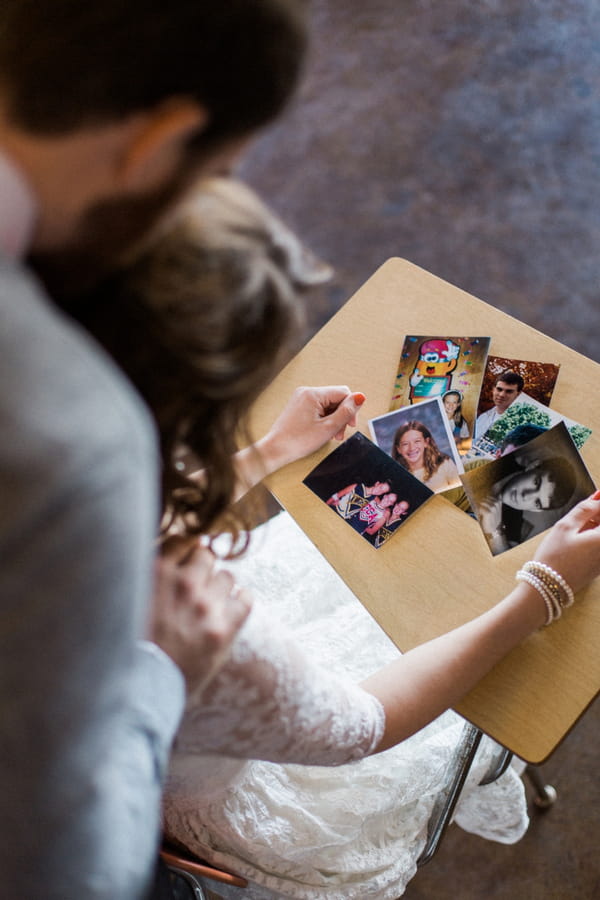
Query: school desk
(437, 571)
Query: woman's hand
(311, 418)
(489, 514)
(572, 547)
(197, 609)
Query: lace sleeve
(271, 701)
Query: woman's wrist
(529, 604)
(254, 463)
(274, 452)
(555, 591)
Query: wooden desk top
(437, 572)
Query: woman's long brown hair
(200, 322)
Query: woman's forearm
(252, 464)
(435, 676)
(251, 467)
(431, 678)
(311, 418)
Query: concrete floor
(465, 137)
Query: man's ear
(155, 145)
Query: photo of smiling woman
(521, 494)
(414, 447)
(421, 441)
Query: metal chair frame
(456, 775)
(192, 870)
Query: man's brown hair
(65, 64)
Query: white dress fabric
(322, 831)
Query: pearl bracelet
(552, 615)
(541, 569)
(556, 593)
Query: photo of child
(367, 489)
(433, 366)
(421, 440)
(459, 426)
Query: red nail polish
(359, 398)
(596, 496)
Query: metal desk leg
(545, 793)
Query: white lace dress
(343, 827)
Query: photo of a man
(507, 387)
(530, 417)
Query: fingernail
(596, 496)
(359, 398)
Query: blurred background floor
(464, 137)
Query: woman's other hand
(311, 418)
(197, 609)
(572, 546)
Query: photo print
(524, 419)
(451, 368)
(539, 379)
(420, 439)
(508, 380)
(366, 488)
(526, 491)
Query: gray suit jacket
(88, 712)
